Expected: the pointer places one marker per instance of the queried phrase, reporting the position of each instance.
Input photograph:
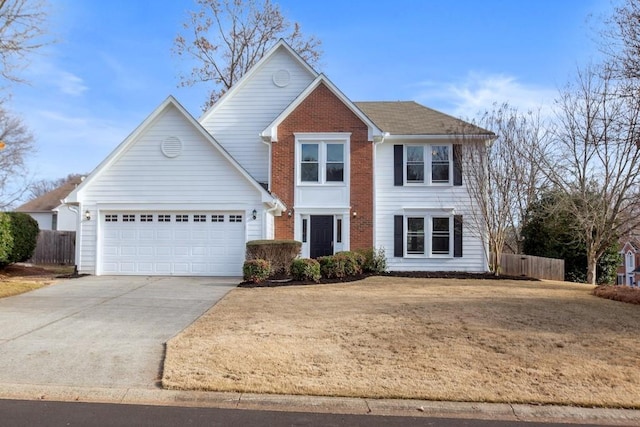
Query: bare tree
(21, 33)
(227, 37)
(43, 186)
(17, 144)
(595, 160)
(504, 177)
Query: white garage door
(172, 243)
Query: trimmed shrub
(375, 260)
(332, 267)
(305, 269)
(279, 253)
(352, 262)
(24, 230)
(256, 270)
(6, 239)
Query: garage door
(172, 243)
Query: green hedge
(375, 260)
(256, 270)
(6, 239)
(305, 269)
(25, 236)
(18, 237)
(279, 253)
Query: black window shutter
(457, 164)
(398, 161)
(457, 236)
(398, 236)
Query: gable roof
(281, 44)
(168, 103)
(52, 199)
(411, 118)
(271, 131)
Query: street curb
(323, 404)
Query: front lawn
(440, 339)
(20, 278)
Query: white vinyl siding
(142, 178)
(238, 121)
(422, 201)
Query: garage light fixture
(87, 215)
(254, 214)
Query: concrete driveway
(99, 331)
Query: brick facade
(323, 112)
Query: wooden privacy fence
(532, 266)
(55, 247)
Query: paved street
(29, 413)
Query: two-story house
(629, 269)
(283, 154)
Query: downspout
(267, 141)
(267, 212)
(377, 140)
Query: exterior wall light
(355, 214)
(87, 215)
(254, 214)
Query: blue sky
(112, 64)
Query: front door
(321, 236)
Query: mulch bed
(618, 293)
(287, 281)
(22, 270)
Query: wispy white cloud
(46, 73)
(477, 92)
(71, 84)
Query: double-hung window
(415, 163)
(322, 162)
(428, 235)
(428, 164)
(415, 235)
(440, 236)
(440, 164)
(310, 160)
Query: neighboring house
(283, 154)
(49, 210)
(629, 269)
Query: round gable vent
(281, 78)
(171, 147)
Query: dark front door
(321, 235)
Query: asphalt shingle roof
(50, 200)
(411, 118)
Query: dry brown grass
(18, 279)
(440, 339)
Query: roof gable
(411, 118)
(169, 103)
(270, 133)
(281, 45)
